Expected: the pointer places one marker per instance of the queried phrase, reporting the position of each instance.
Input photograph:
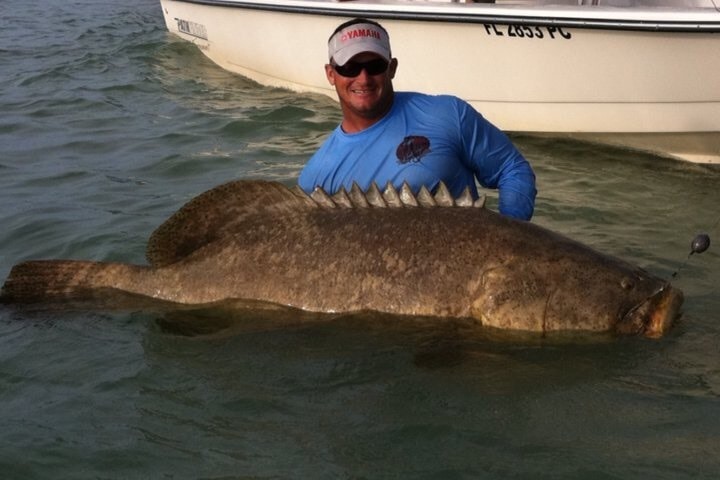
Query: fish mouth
(655, 315)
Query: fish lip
(656, 314)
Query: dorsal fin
(210, 215)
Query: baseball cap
(358, 38)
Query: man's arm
(516, 189)
(497, 163)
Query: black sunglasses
(353, 69)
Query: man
(394, 137)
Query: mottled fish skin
(261, 241)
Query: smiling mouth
(362, 91)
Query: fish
(393, 251)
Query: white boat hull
(601, 78)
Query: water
(109, 125)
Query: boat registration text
(527, 31)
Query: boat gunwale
(453, 12)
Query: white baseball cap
(358, 38)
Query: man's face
(365, 97)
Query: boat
(635, 73)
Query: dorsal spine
(392, 198)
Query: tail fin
(49, 281)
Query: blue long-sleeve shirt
(423, 140)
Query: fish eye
(627, 284)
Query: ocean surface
(108, 125)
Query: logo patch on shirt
(412, 148)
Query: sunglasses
(353, 69)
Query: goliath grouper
(392, 252)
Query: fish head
(583, 297)
(625, 300)
(654, 315)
